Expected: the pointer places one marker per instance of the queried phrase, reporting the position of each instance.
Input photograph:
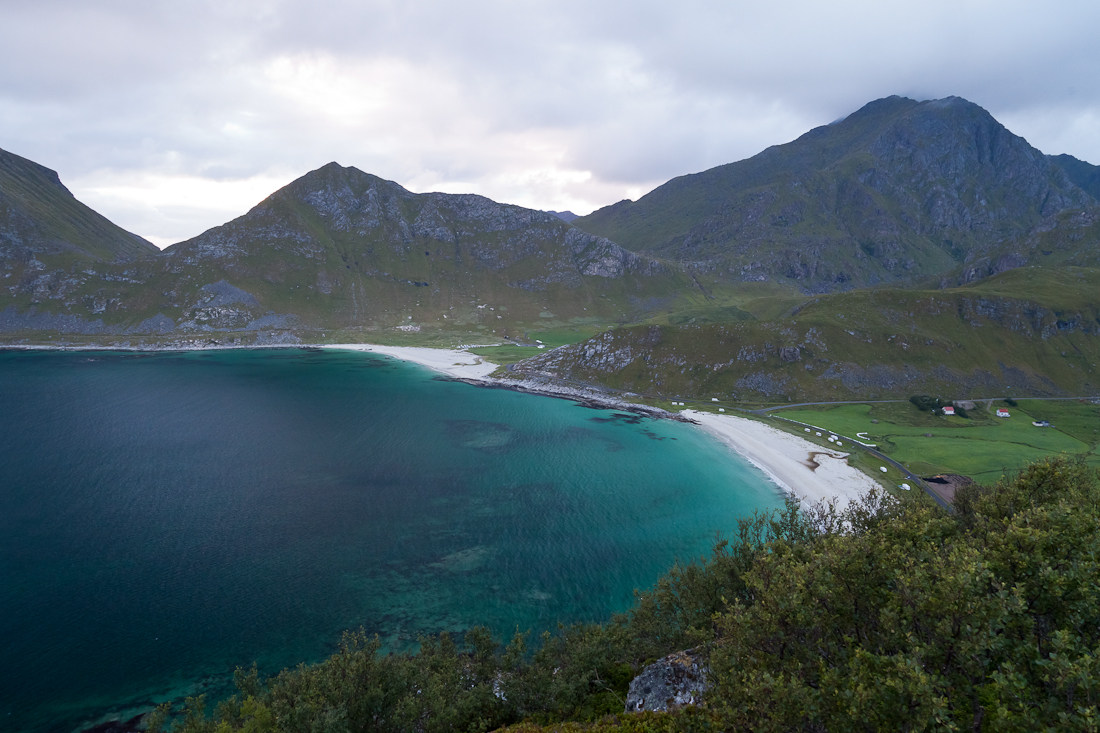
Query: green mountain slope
(40, 217)
(1084, 175)
(898, 191)
(342, 250)
(1029, 331)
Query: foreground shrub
(891, 615)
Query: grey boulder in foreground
(669, 683)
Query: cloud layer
(173, 117)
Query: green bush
(891, 615)
(987, 619)
(924, 403)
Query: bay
(167, 517)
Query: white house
(1001, 412)
(948, 410)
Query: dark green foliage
(988, 619)
(891, 615)
(1011, 402)
(924, 403)
(685, 720)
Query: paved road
(765, 410)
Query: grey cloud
(633, 93)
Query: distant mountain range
(901, 193)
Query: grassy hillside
(39, 217)
(1028, 332)
(341, 251)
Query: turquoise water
(165, 518)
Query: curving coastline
(801, 468)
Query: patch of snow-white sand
(806, 470)
(459, 364)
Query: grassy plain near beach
(981, 446)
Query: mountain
(342, 249)
(563, 215)
(39, 218)
(1084, 175)
(896, 192)
(900, 193)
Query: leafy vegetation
(924, 403)
(984, 620)
(891, 615)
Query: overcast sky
(172, 117)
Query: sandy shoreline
(788, 460)
(801, 468)
(457, 364)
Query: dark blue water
(165, 518)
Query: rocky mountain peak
(896, 191)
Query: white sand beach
(806, 470)
(460, 364)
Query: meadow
(981, 445)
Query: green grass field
(551, 339)
(982, 447)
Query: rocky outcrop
(669, 683)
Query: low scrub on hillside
(893, 615)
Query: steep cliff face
(899, 190)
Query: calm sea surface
(165, 518)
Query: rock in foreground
(669, 683)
